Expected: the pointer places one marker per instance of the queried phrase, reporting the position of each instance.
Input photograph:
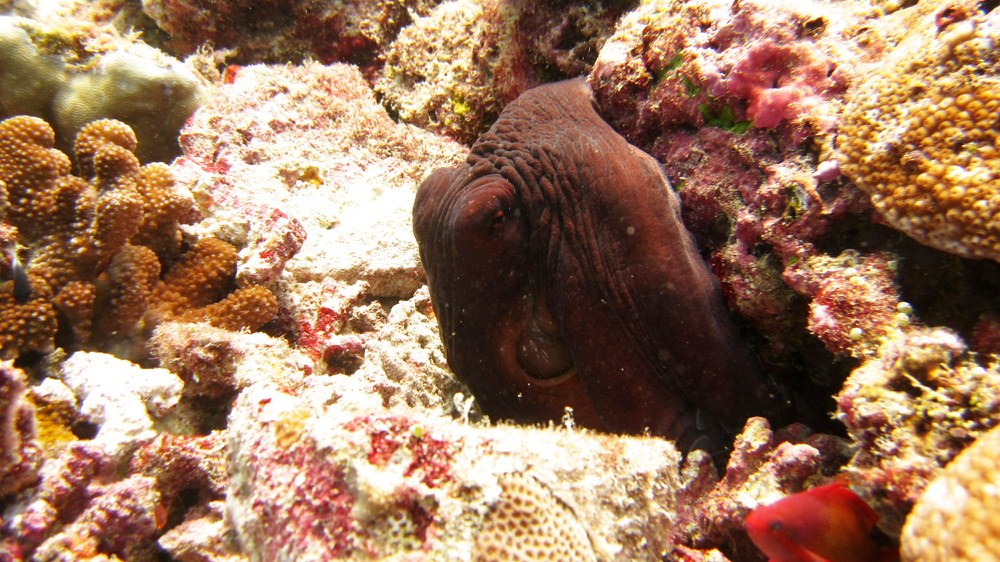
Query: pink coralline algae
(781, 82)
(738, 101)
(281, 151)
(854, 302)
(313, 476)
(764, 465)
(19, 454)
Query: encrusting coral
(921, 135)
(98, 243)
(955, 519)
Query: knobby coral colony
(96, 244)
(921, 137)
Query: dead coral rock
(854, 302)
(312, 143)
(955, 518)
(372, 483)
(673, 63)
(451, 91)
(911, 409)
(453, 69)
(765, 465)
(214, 362)
(184, 463)
(203, 536)
(284, 30)
(19, 454)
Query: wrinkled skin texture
(562, 276)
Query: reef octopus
(562, 278)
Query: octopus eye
(497, 218)
(774, 526)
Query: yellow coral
(956, 518)
(528, 523)
(29, 325)
(132, 275)
(922, 137)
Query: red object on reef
(825, 524)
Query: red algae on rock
(911, 409)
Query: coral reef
(954, 518)
(312, 143)
(391, 484)
(120, 399)
(854, 302)
(339, 430)
(920, 134)
(453, 69)
(71, 75)
(736, 99)
(911, 409)
(435, 92)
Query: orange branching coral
(132, 275)
(97, 243)
(192, 289)
(29, 325)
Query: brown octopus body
(562, 277)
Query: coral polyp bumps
(95, 245)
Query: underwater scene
(499, 280)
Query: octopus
(564, 281)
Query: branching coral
(921, 136)
(97, 243)
(192, 289)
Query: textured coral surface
(955, 516)
(232, 355)
(921, 135)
